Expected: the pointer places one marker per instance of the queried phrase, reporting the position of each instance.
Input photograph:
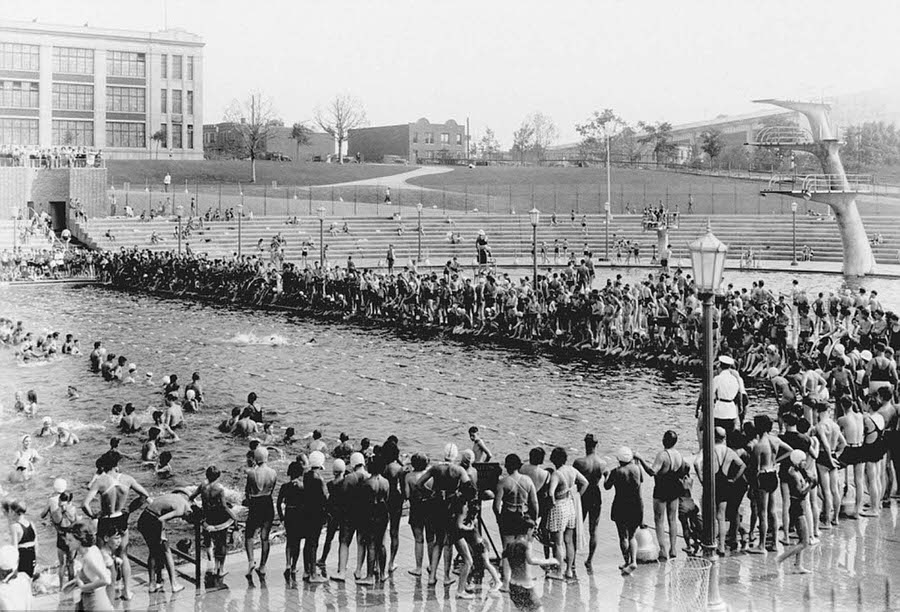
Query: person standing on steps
(167, 180)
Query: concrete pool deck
(852, 569)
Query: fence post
(509, 187)
(444, 198)
(735, 199)
(198, 574)
(332, 201)
(287, 211)
(355, 198)
(712, 197)
(467, 198)
(220, 197)
(265, 200)
(576, 199)
(532, 195)
(667, 196)
(489, 199)
(399, 200)
(310, 199)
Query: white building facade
(102, 89)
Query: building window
(18, 132)
(126, 64)
(445, 138)
(190, 136)
(459, 139)
(176, 67)
(125, 99)
(164, 134)
(164, 66)
(429, 137)
(67, 96)
(189, 102)
(176, 136)
(127, 135)
(70, 60)
(190, 68)
(19, 94)
(19, 57)
(415, 137)
(71, 133)
(176, 101)
(163, 98)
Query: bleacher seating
(509, 236)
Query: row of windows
(67, 96)
(14, 56)
(445, 138)
(21, 132)
(19, 94)
(177, 67)
(131, 135)
(126, 64)
(74, 133)
(125, 99)
(177, 107)
(69, 133)
(70, 60)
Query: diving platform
(783, 136)
(812, 184)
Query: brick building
(222, 140)
(417, 142)
(101, 89)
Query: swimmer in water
(164, 465)
(26, 457)
(316, 444)
(64, 437)
(227, 426)
(115, 415)
(289, 436)
(195, 386)
(31, 403)
(148, 379)
(47, 428)
(72, 392)
(129, 423)
(245, 425)
(129, 378)
(190, 403)
(149, 450)
(19, 403)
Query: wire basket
(689, 583)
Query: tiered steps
(508, 235)
(38, 242)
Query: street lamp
(607, 209)
(15, 214)
(321, 211)
(240, 216)
(708, 264)
(794, 233)
(179, 210)
(535, 216)
(419, 209)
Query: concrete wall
(18, 186)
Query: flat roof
(170, 35)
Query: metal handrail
(784, 135)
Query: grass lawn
(142, 172)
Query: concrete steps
(508, 235)
(37, 242)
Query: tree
(712, 143)
(487, 145)
(300, 134)
(253, 122)
(545, 132)
(659, 136)
(159, 137)
(523, 140)
(595, 131)
(342, 114)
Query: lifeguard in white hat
(729, 394)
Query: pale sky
(496, 61)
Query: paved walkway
(395, 180)
(852, 569)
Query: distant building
(421, 141)
(101, 89)
(223, 140)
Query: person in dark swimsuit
(315, 495)
(627, 507)
(290, 504)
(373, 503)
(593, 468)
(668, 469)
(393, 471)
(261, 511)
(24, 537)
(218, 518)
(799, 487)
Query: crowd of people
(51, 157)
(36, 264)
(830, 360)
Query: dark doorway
(58, 216)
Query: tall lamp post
(240, 216)
(179, 210)
(708, 264)
(607, 209)
(535, 216)
(419, 255)
(793, 233)
(321, 211)
(15, 214)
